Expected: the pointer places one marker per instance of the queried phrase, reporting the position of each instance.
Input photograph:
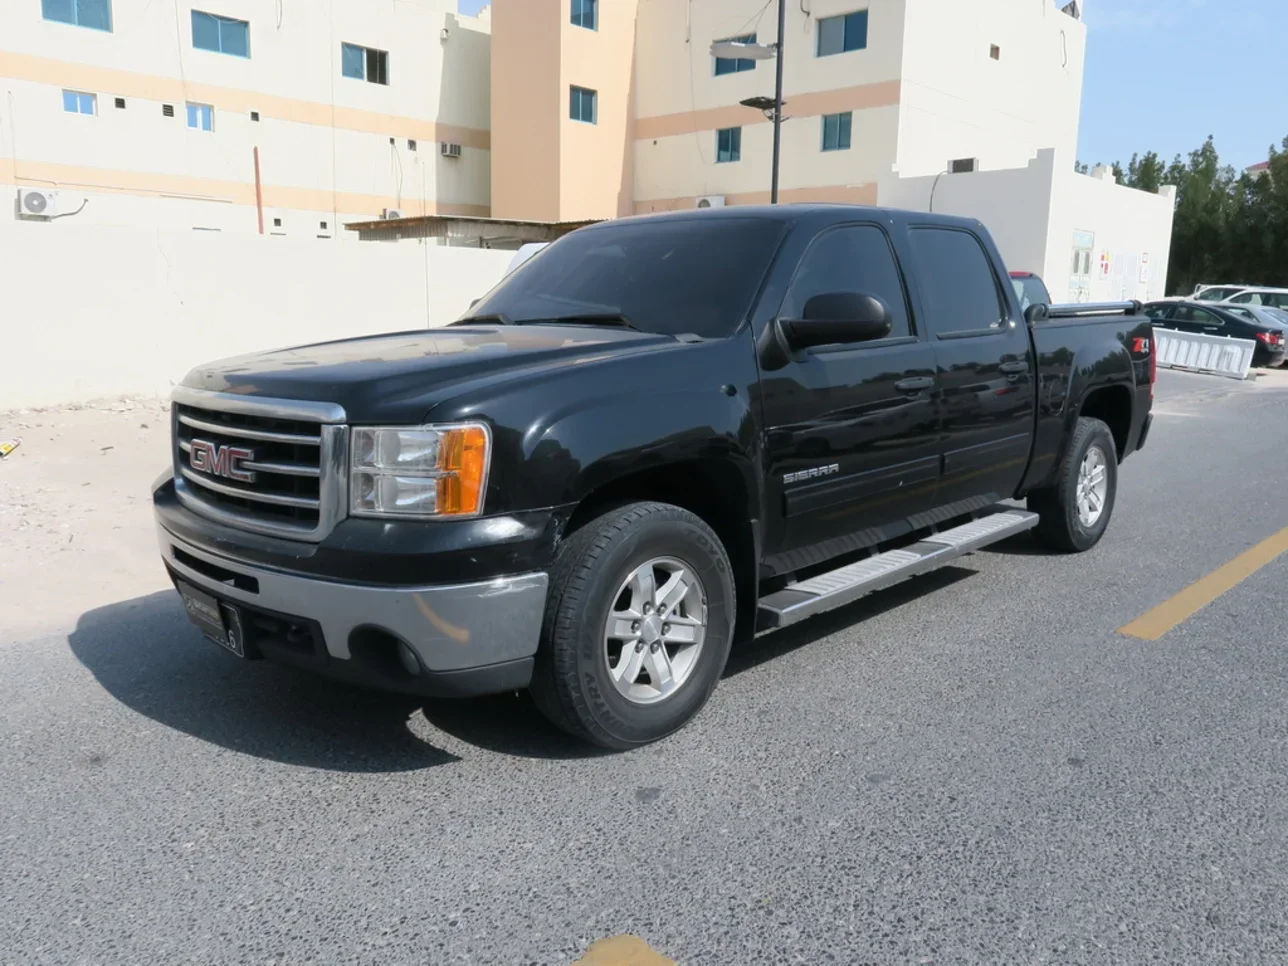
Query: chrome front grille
(273, 466)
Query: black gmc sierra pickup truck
(656, 436)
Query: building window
(583, 105)
(585, 13)
(76, 102)
(837, 35)
(728, 145)
(735, 65)
(223, 35)
(836, 131)
(364, 63)
(201, 117)
(96, 14)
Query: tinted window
(671, 276)
(1278, 300)
(1157, 310)
(856, 258)
(1198, 316)
(957, 281)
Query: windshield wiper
(593, 318)
(498, 318)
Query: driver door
(852, 431)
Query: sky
(1162, 75)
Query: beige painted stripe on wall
(854, 194)
(862, 97)
(125, 83)
(152, 185)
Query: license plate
(219, 622)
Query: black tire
(1060, 526)
(571, 683)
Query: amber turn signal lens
(462, 457)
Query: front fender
(589, 444)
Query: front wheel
(1074, 513)
(637, 628)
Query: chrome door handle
(917, 384)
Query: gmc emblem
(225, 461)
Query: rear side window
(854, 258)
(1190, 313)
(1157, 310)
(957, 282)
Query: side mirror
(837, 318)
(1037, 312)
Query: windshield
(1030, 289)
(1216, 294)
(671, 277)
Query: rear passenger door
(985, 368)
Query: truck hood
(400, 376)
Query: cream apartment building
(208, 114)
(872, 87)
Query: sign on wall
(1080, 271)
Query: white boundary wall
(92, 312)
(1038, 214)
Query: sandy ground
(75, 512)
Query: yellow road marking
(1153, 624)
(623, 951)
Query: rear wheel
(1075, 512)
(637, 627)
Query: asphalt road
(971, 768)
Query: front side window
(78, 102)
(673, 276)
(959, 287)
(728, 145)
(1158, 310)
(364, 63)
(836, 131)
(585, 13)
(223, 35)
(583, 105)
(1195, 315)
(838, 35)
(201, 117)
(735, 65)
(854, 259)
(95, 14)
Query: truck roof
(816, 212)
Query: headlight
(423, 472)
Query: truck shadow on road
(147, 655)
(767, 647)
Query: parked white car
(1274, 297)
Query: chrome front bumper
(451, 627)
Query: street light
(732, 50)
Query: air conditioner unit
(449, 149)
(35, 203)
(390, 214)
(711, 201)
